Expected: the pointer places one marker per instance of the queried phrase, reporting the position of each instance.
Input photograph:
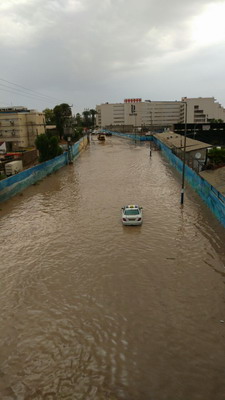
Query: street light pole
(69, 149)
(184, 154)
(135, 126)
(133, 113)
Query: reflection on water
(91, 309)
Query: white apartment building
(203, 109)
(19, 127)
(149, 113)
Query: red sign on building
(132, 100)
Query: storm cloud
(87, 52)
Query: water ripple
(94, 310)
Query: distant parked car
(101, 136)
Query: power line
(30, 90)
(23, 95)
(18, 91)
(37, 94)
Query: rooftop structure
(195, 151)
(174, 140)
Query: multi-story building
(19, 127)
(140, 114)
(203, 109)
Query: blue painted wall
(130, 136)
(16, 183)
(210, 195)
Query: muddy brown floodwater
(92, 310)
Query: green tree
(216, 121)
(93, 117)
(78, 119)
(48, 147)
(78, 132)
(217, 156)
(49, 116)
(62, 114)
(86, 118)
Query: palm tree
(78, 119)
(62, 113)
(86, 115)
(93, 118)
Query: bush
(217, 156)
(48, 147)
(78, 133)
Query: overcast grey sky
(88, 52)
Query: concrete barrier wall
(16, 183)
(210, 195)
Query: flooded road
(92, 310)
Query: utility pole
(184, 154)
(134, 114)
